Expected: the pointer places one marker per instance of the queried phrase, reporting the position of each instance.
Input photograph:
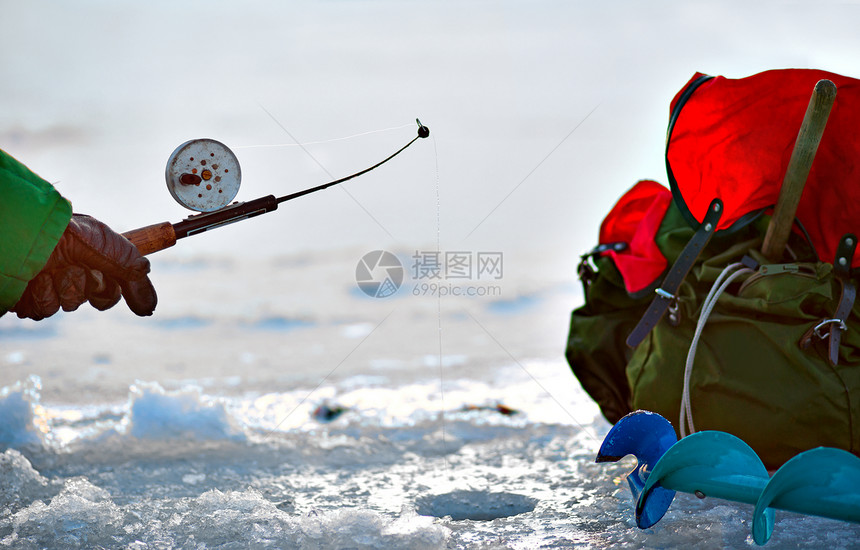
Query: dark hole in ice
(475, 505)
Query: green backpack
(769, 352)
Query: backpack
(758, 348)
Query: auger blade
(820, 482)
(647, 436)
(714, 464)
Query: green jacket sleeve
(33, 216)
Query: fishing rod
(204, 175)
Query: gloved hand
(90, 263)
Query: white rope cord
(686, 414)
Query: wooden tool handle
(152, 238)
(805, 147)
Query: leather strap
(842, 269)
(666, 293)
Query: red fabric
(733, 140)
(634, 220)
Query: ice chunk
(21, 484)
(81, 516)
(184, 414)
(24, 422)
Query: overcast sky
(542, 113)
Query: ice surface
(148, 476)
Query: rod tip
(423, 131)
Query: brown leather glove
(90, 263)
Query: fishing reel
(203, 175)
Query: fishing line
(423, 132)
(439, 311)
(533, 170)
(322, 140)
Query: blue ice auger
(820, 482)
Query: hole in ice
(475, 505)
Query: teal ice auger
(820, 482)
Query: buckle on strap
(677, 273)
(673, 309)
(663, 294)
(816, 330)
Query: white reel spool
(203, 175)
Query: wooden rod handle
(152, 238)
(799, 165)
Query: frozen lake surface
(231, 434)
(184, 469)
